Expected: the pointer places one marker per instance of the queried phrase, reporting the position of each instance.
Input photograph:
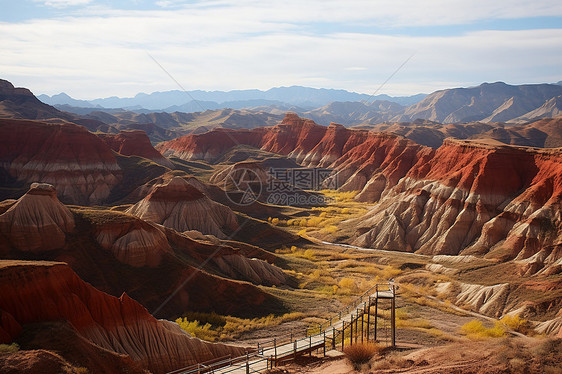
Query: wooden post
(362, 322)
(310, 345)
(333, 337)
(324, 346)
(393, 322)
(247, 364)
(368, 318)
(275, 348)
(295, 349)
(356, 322)
(342, 335)
(351, 330)
(376, 315)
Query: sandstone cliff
(210, 145)
(135, 143)
(48, 291)
(179, 205)
(79, 164)
(17, 102)
(464, 197)
(473, 198)
(102, 245)
(38, 221)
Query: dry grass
(9, 348)
(516, 323)
(101, 216)
(228, 327)
(361, 353)
(325, 220)
(392, 361)
(476, 330)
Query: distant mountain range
(195, 101)
(489, 102)
(497, 111)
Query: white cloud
(396, 13)
(63, 3)
(219, 46)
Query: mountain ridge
(293, 95)
(496, 102)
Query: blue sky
(90, 48)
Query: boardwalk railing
(350, 325)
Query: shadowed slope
(52, 291)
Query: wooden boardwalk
(345, 328)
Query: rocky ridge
(80, 165)
(135, 143)
(48, 291)
(473, 197)
(179, 205)
(38, 221)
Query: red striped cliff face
(337, 141)
(179, 205)
(464, 197)
(51, 291)
(210, 145)
(38, 221)
(376, 164)
(473, 198)
(102, 245)
(294, 137)
(134, 143)
(357, 155)
(79, 164)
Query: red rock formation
(48, 362)
(210, 145)
(49, 291)
(461, 198)
(179, 205)
(109, 244)
(79, 164)
(135, 143)
(376, 163)
(333, 145)
(294, 136)
(38, 221)
(136, 243)
(474, 198)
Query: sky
(101, 48)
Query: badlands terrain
(148, 242)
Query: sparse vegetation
(475, 329)
(515, 323)
(228, 327)
(9, 348)
(326, 219)
(361, 353)
(308, 254)
(391, 361)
